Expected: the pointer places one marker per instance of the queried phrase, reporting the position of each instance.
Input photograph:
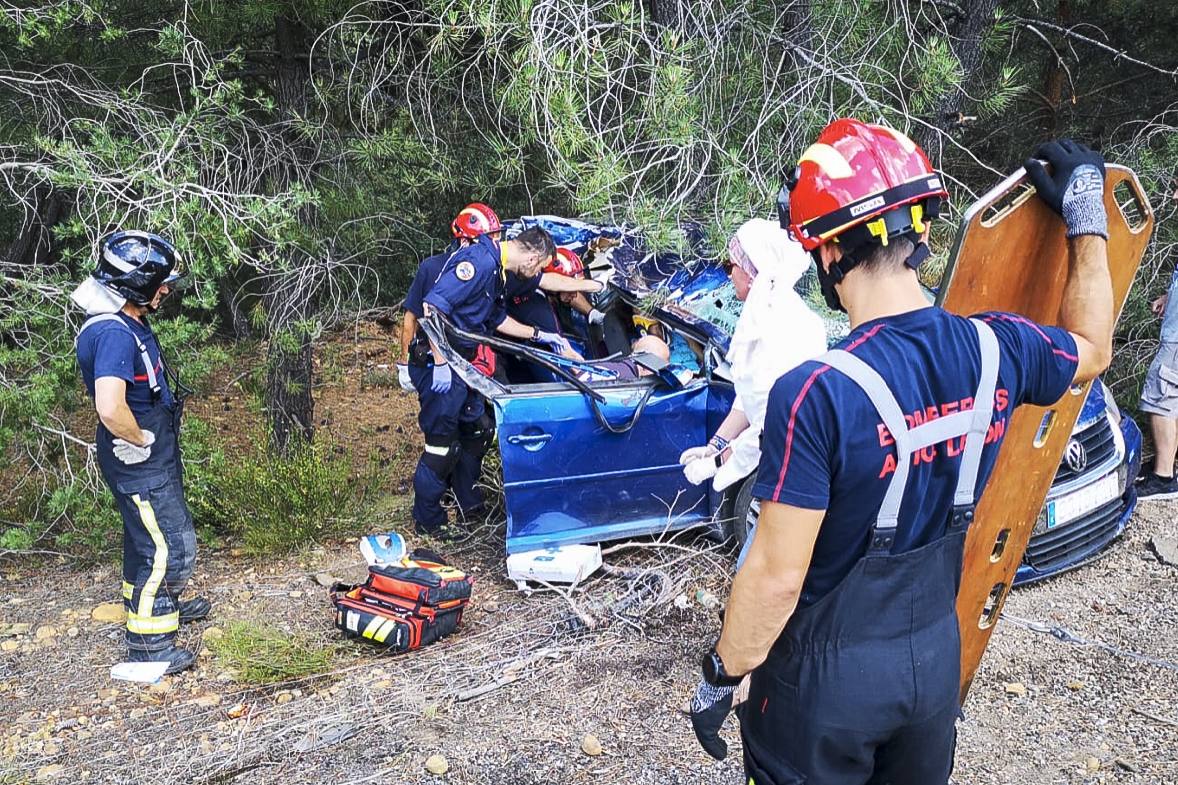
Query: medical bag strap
(152, 382)
(883, 532)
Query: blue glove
(1075, 187)
(555, 340)
(441, 381)
(709, 706)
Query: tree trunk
(34, 244)
(1053, 78)
(289, 296)
(965, 37)
(796, 19)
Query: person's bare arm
(1087, 308)
(110, 402)
(408, 330)
(733, 425)
(580, 303)
(555, 282)
(766, 589)
(513, 328)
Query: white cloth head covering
(776, 332)
(94, 298)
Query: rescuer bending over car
(844, 609)
(469, 291)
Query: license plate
(1078, 503)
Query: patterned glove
(709, 706)
(1075, 187)
(404, 379)
(131, 454)
(442, 379)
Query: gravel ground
(1088, 715)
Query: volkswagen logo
(1076, 456)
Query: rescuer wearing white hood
(776, 331)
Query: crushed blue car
(586, 461)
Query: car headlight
(1110, 404)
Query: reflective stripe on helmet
(831, 161)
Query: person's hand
(442, 379)
(404, 379)
(1075, 187)
(700, 469)
(569, 353)
(131, 454)
(1158, 306)
(709, 706)
(694, 453)
(595, 316)
(555, 340)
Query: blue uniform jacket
(469, 290)
(427, 275)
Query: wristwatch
(535, 333)
(714, 673)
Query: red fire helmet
(565, 262)
(852, 175)
(475, 219)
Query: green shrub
(277, 504)
(258, 654)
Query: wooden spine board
(1015, 259)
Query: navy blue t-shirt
(107, 348)
(825, 447)
(528, 304)
(469, 290)
(426, 276)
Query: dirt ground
(511, 698)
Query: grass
(260, 654)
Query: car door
(569, 478)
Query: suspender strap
(983, 411)
(152, 382)
(973, 424)
(885, 403)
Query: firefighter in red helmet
(843, 612)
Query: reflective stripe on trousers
(159, 541)
(862, 686)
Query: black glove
(709, 706)
(1075, 187)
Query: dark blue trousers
(446, 463)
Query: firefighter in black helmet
(138, 430)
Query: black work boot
(177, 659)
(195, 609)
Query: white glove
(700, 469)
(694, 453)
(404, 379)
(132, 453)
(595, 316)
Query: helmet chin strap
(837, 271)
